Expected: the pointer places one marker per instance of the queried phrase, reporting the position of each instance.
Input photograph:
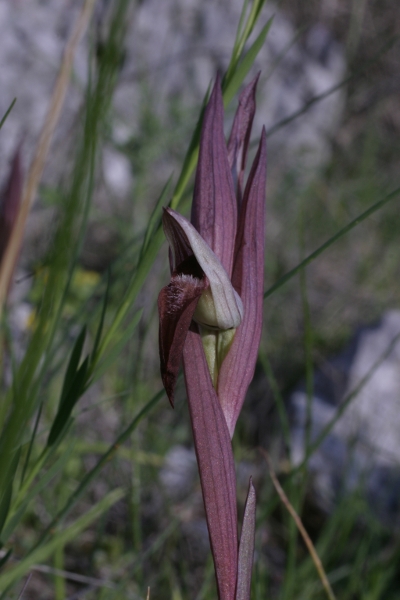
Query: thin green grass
(99, 345)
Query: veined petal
(240, 135)
(214, 210)
(246, 547)
(228, 305)
(216, 466)
(176, 305)
(237, 370)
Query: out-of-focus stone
(178, 474)
(363, 447)
(117, 172)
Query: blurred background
(329, 96)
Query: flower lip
(176, 304)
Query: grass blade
(43, 147)
(73, 365)
(333, 89)
(15, 517)
(99, 331)
(7, 494)
(5, 558)
(107, 456)
(9, 109)
(68, 402)
(345, 403)
(60, 539)
(234, 83)
(331, 241)
(300, 526)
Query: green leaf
(240, 29)
(5, 558)
(75, 391)
(331, 241)
(93, 358)
(31, 441)
(105, 459)
(70, 373)
(235, 81)
(257, 12)
(9, 109)
(5, 504)
(251, 21)
(243, 33)
(59, 539)
(7, 495)
(57, 467)
(36, 366)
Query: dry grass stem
(300, 527)
(92, 581)
(25, 586)
(42, 149)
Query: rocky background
(325, 167)
(172, 52)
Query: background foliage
(85, 426)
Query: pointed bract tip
(239, 138)
(246, 546)
(216, 94)
(169, 382)
(218, 80)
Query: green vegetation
(84, 424)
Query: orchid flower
(211, 314)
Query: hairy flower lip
(176, 305)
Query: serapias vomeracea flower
(217, 261)
(211, 314)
